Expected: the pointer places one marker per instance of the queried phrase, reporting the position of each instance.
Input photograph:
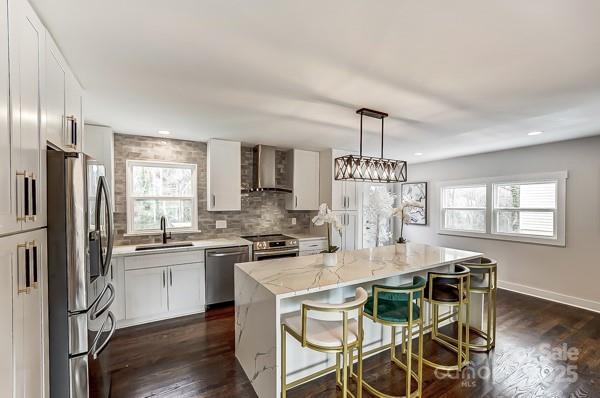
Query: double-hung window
(527, 208)
(156, 189)
(464, 208)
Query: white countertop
(294, 276)
(197, 245)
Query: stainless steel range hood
(265, 171)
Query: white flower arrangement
(400, 212)
(325, 216)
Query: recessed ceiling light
(164, 132)
(418, 153)
(535, 133)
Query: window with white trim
(464, 208)
(156, 189)
(526, 208)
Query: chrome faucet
(163, 228)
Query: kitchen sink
(157, 246)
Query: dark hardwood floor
(194, 357)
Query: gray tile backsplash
(262, 212)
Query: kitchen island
(267, 290)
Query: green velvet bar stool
(400, 307)
(484, 281)
(450, 289)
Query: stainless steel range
(269, 247)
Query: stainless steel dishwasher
(219, 272)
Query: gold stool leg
(494, 318)
(467, 331)
(337, 368)
(393, 344)
(408, 357)
(404, 340)
(359, 386)
(345, 373)
(420, 361)
(283, 355)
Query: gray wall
(568, 274)
(262, 212)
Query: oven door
(261, 255)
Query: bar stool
(397, 307)
(337, 336)
(484, 282)
(452, 289)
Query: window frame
(443, 209)
(130, 198)
(559, 236)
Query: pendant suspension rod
(382, 138)
(361, 125)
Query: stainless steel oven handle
(96, 312)
(274, 252)
(98, 350)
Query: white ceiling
(457, 77)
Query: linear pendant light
(366, 168)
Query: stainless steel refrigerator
(80, 239)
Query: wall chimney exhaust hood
(265, 170)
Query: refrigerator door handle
(96, 312)
(96, 351)
(103, 192)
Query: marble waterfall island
(267, 290)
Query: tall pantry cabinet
(24, 94)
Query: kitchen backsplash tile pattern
(262, 212)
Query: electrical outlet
(293, 221)
(221, 224)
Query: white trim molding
(130, 198)
(560, 298)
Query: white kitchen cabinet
(158, 286)
(74, 112)
(117, 278)
(348, 239)
(99, 144)
(339, 195)
(146, 294)
(56, 78)
(186, 287)
(304, 172)
(9, 146)
(63, 101)
(23, 332)
(28, 149)
(311, 246)
(224, 175)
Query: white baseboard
(552, 296)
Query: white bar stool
(337, 336)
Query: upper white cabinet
(23, 352)
(9, 149)
(339, 195)
(64, 97)
(304, 172)
(224, 175)
(22, 148)
(99, 144)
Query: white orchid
(405, 217)
(326, 216)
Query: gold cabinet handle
(33, 194)
(26, 289)
(21, 195)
